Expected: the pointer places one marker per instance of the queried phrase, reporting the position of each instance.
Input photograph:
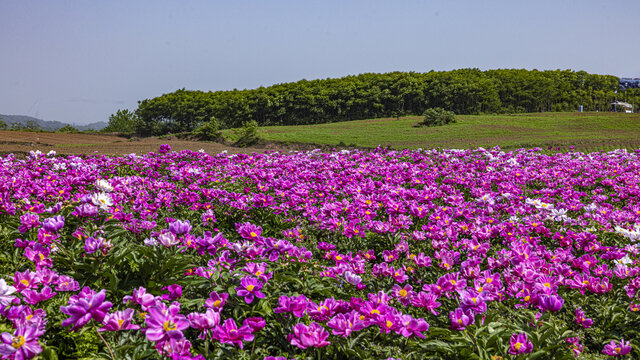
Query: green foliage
(17, 126)
(438, 117)
(3, 125)
(465, 91)
(207, 131)
(68, 129)
(123, 122)
(247, 135)
(29, 125)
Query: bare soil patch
(104, 144)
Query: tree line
(370, 95)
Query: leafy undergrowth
(451, 254)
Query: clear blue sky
(80, 61)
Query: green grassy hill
(585, 131)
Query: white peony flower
(103, 200)
(5, 293)
(104, 186)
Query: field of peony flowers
(443, 254)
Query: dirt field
(22, 142)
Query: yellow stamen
(18, 341)
(169, 326)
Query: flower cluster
(193, 255)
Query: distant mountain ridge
(49, 125)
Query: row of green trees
(465, 91)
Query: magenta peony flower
(249, 289)
(86, 210)
(25, 280)
(617, 349)
(229, 333)
(53, 224)
(411, 326)
(175, 292)
(304, 336)
(22, 344)
(28, 221)
(206, 321)
(120, 320)
(472, 301)
(249, 231)
(520, 344)
(295, 305)
(460, 320)
(39, 255)
(33, 297)
(426, 300)
(142, 298)
(344, 324)
(164, 149)
(582, 319)
(551, 303)
(216, 301)
(255, 323)
(165, 323)
(66, 283)
(84, 309)
(180, 227)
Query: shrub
(438, 117)
(123, 122)
(68, 129)
(207, 131)
(247, 135)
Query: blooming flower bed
(474, 254)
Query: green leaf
(49, 353)
(538, 355)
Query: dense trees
(123, 121)
(465, 91)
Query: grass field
(585, 131)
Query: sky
(80, 61)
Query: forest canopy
(465, 91)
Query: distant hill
(99, 125)
(49, 125)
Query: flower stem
(105, 342)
